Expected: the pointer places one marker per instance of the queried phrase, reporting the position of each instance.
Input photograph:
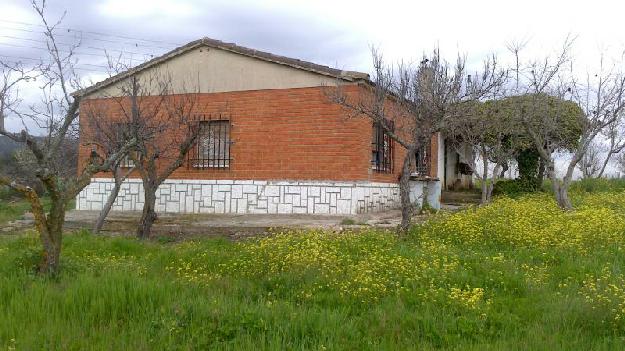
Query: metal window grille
(212, 149)
(422, 162)
(382, 149)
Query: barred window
(212, 149)
(382, 149)
(422, 162)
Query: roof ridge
(259, 54)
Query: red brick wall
(287, 134)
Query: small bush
(513, 188)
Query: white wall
(263, 197)
(433, 196)
(247, 196)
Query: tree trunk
(50, 261)
(491, 186)
(119, 179)
(484, 178)
(149, 214)
(107, 207)
(561, 190)
(404, 192)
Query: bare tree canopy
(615, 134)
(57, 117)
(162, 125)
(413, 103)
(590, 165)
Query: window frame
(216, 154)
(382, 144)
(422, 161)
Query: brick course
(285, 134)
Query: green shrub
(513, 187)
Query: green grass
(515, 275)
(12, 209)
(592, 185)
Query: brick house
(279, 145)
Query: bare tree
(56, 117)
(119, 176)
(616, 142)
(110, 137)
(589, 165)
(413, 104)
(162, 124)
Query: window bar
(383, 148)
(201, 146)
(219, 144)
(211, 127)
(219, 141)
(197, 152)
(222, 153)
(190, 150)
(199, 157)
(390, 151)
(380, 147)
(385, 152)
(381, 141)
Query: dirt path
(230, 225)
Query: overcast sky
(336, 33)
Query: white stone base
(247, 196)
(433, 196)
